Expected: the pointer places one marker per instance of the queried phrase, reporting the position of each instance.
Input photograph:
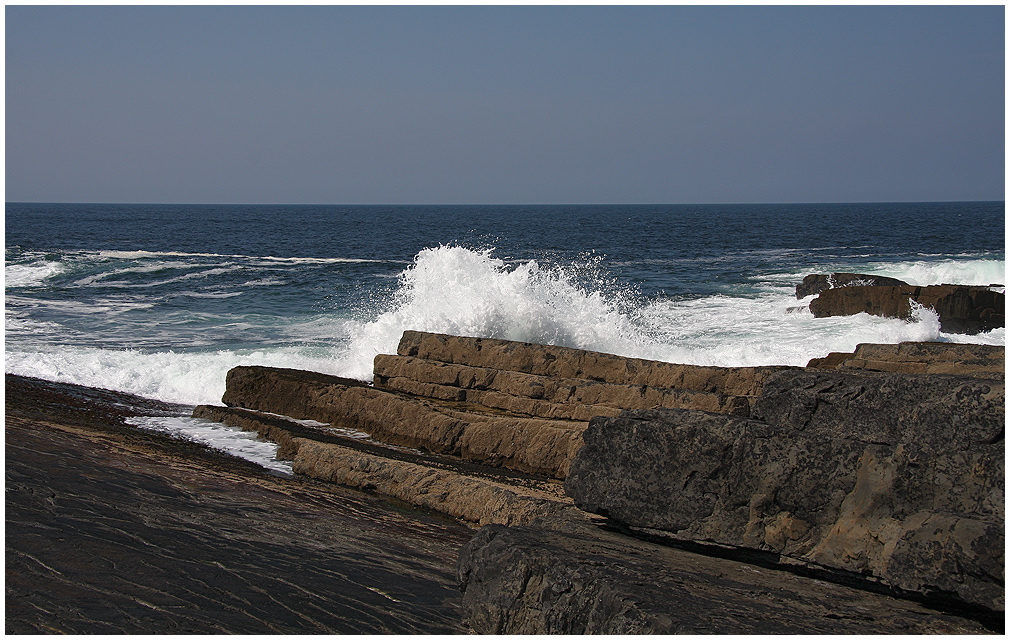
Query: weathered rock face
(961, 309)
(539, 395)
(976, 360)
(943, 412)
(537, 446)
(476, 495)
(532, 581)
(898, 477)
(817, 282)
(564, 362)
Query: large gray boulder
(894, 477)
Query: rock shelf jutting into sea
(663, 419)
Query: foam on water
(183, 378)
(31, 275)
(134, 255)
(464, 292)
(456, 290)
(215, 435)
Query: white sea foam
(102, 280)
(232, 440)
(178, 377)
(31, 275)
(459, 291)
(463, 292)
(967, 271)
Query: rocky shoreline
(863, 493)
(113, 529)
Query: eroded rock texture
(895, 476)
(520, 580)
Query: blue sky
(657, 104)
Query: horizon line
(493, 204)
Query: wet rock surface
(110, 529)
(961, 309)
(818, 282)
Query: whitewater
(133, 325)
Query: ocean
(162, 300)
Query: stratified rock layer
(476, 496)
(975, 360)
(522, 580)
(564, 362)
(500, 403)
(534, 445)
(895, 476)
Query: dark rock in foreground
(895, 477)
(111, 530)
(521, 580)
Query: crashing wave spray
(460, 291)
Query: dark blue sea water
(161, 300)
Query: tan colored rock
(976, 360)
(565, 362)
(533, 445)
(538, 395)
(475, 500)
(425, 480)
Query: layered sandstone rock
(538, 446)
(476, 495)
(539, 395)
(568, 363)
(961, 309)
(895, 476)
(976, 360)
(511, 404)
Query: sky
(504, 104)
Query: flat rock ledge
(836, 496)
(975, 360)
